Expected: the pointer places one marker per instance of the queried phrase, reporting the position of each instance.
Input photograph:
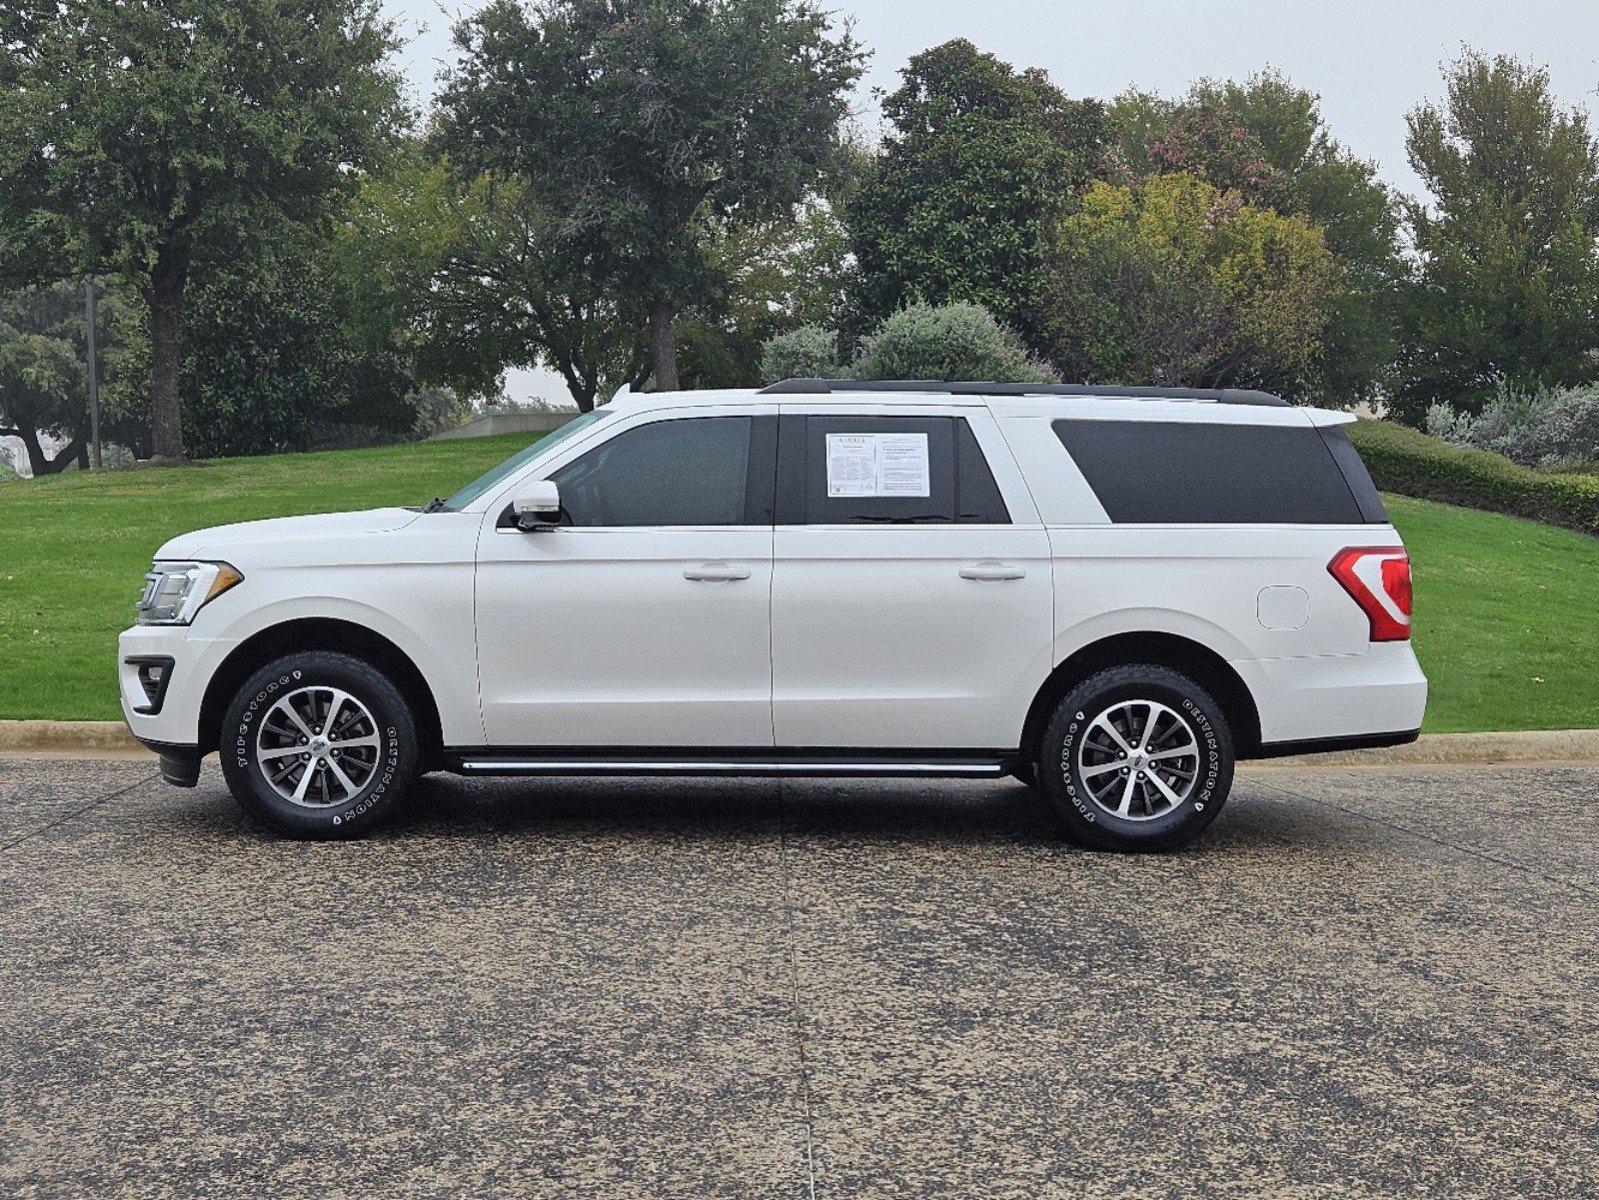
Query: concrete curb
(111, 739)
(1456, 749)
(70, 739)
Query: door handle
(715, 573)
(992, 571)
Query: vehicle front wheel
(1136, 757)
(319, 745)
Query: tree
(787, 273)
(808, 352)
(1265, 138)
(275, 356)
(1172, 281)
(474, 273)
(948, 342)
(1507, 287)
(980, 161)
(43, 391)
(635, 124)
(138, 136)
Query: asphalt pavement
(1358, 983)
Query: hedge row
(1409, 462)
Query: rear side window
(1355, 473)
(1204, 473)
(890, 470)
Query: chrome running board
(799, 766)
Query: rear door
(911, 582)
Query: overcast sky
(1371, 61)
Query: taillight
(1378, 578)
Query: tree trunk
(164, 295)
(663, 346)
(38, 464)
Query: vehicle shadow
(685, 810)
(719, 809)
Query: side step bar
(766, 766)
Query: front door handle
(715, 573)
(992, 571)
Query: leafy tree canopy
(978, 161)
(1266, 138)
(1171, 281)
(1507, 290)
(43, 389)
(137, 136)
(636, 124)
(277, 355)
(947, 342)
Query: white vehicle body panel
(604, 636)
(838, 636)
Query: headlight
(174, 592)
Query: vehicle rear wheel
(1137, 757)
(319, 745)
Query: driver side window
(692, 471)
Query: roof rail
(791, 387)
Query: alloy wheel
(1138, 760)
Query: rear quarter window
(1209, 473)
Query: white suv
(1112, 594)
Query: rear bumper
(1340, 699)
(1360, 741)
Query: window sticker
(877, 464)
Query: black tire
(1074, 740)
(328, 810)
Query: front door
(912, 599)
(643, 620)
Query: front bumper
(180, 765)
(172, 717)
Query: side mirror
(538, 506)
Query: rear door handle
(993, 571)
(715, 573)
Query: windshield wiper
(435, 505)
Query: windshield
(510, 466)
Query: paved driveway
(1357, 984)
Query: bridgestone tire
(1068, 741)
(380, 782)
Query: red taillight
(1378, 578)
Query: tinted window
(928, 470)
(1355, 474)
(687, 472)
(977, 496)
(1186, 472)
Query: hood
(305, 532)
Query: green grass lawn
(1507, 618)
(74, 548)
(1506, 621)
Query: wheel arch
(1200, 663)
(322, 633)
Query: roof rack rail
(792, 387)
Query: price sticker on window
(877, 464)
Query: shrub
(947, 343)
(1409, 462)
(1543, 430)
(809, 352)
